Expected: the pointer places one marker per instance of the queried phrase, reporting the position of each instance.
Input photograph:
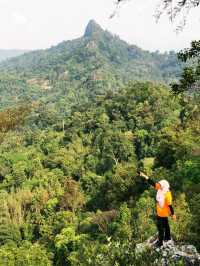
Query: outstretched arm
(157, 186)
(149, 180)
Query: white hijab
(160, 197)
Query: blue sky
(38, 24)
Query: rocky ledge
(171, 253)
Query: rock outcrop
(171, 253)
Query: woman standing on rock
(163, 208)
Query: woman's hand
(143, 175)
(174, 217)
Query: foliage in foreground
(71, 196)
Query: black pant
(163, 229)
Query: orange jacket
(165, 211)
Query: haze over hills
(92, 64)
(5, 54)
(101, 50)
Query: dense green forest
(70, 149)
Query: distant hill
(5, 54)
(98, 54)
(92, 64)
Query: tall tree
(190, 78)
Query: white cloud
(18, 18)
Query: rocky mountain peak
(92, 29)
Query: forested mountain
(5, 54)
(98, 55)
(87, 66)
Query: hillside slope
(82, 68)
(96, 53)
